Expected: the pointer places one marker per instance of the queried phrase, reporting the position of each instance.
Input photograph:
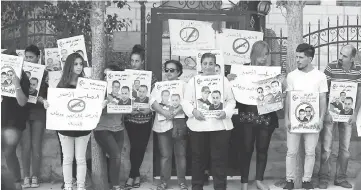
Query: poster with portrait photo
(52, 59)
(304, 112)
(54, 78)
(209, 95)
(119, 92)
(219, 61)
(10, 66)
(141, 85)
(342, 100)
(90, 84)
(169, 95)
(269, 95)
(35, 73)
(75, 44)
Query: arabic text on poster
(119, 92)
(141, 85)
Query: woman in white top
(214, 131)
(166, 129)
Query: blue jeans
(166, 145)
(345, 132)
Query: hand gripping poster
(52, 59)
(169, 95)
(304, 112)
(35, 73)
(141, 85)
(90, 84)
(119, 92)
(236, 45)
(67, 46)
(209, 95)
(245, 85)
(187, 36)
(73, 109)
(10, 66)
(269, 95)
(219, 61)
(342, 100)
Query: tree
(294, 18)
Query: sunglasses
(170, 70)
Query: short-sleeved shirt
(12, 114)
(313, 81)
(73, 133)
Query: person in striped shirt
(343, 70)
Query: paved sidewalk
(232, 185)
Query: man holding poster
(309, 80)
(346, 72)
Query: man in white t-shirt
(309, 79)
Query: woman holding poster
(138, 125)
(34, 132)
(169, 107)
(216, 130)
(13, 118)
(255, 129)
(73, 142)
(109, 134)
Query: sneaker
(289, 185)
(323, 185)
(162, 186)
(34, 182)
(183, 186)
(344, 184)
(26, 183)
(307, 185)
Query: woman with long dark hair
(256, 130)
(109, 134)
(73, 142)
(138, 125)
(14, 114)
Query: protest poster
(269, 95)
(358, 123)
(10, 65)
(209, 94)
(236, 45)
(342, 100)
(119, 90)
(169, 95)
(219, 61)
(304, 112)
(54, 78)
(90, 84)
(73, 109)
(141, 81)
(245, 86)
(75, 44)
(52, 59)
(187, 36)
(35, 73)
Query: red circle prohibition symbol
(189, 34)
(76, 105)
(241, 46)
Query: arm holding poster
(230, 102)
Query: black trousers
(218, 143)
(138, 138)
(260, 136)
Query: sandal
(127, 186)
(136, 185)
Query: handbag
(179, 128)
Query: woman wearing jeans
(256, 129)
(164, 130)
(138, 125)
(110, 136)
(34, 132)
(215, 131)
(13, 118)
(73, 142)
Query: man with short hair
(136, 86)
(142, 94)
(33, 86)
(347, 110)
(203, 102)
(343, 70)
(305, 78)
(165, 99)
(302, 116)
(216, 99)
(10, 75)
(114, 96)
(3, 79)
(309, 115)
(218, 69)
(125, 92)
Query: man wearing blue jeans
(344, 70)
(307, 79)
